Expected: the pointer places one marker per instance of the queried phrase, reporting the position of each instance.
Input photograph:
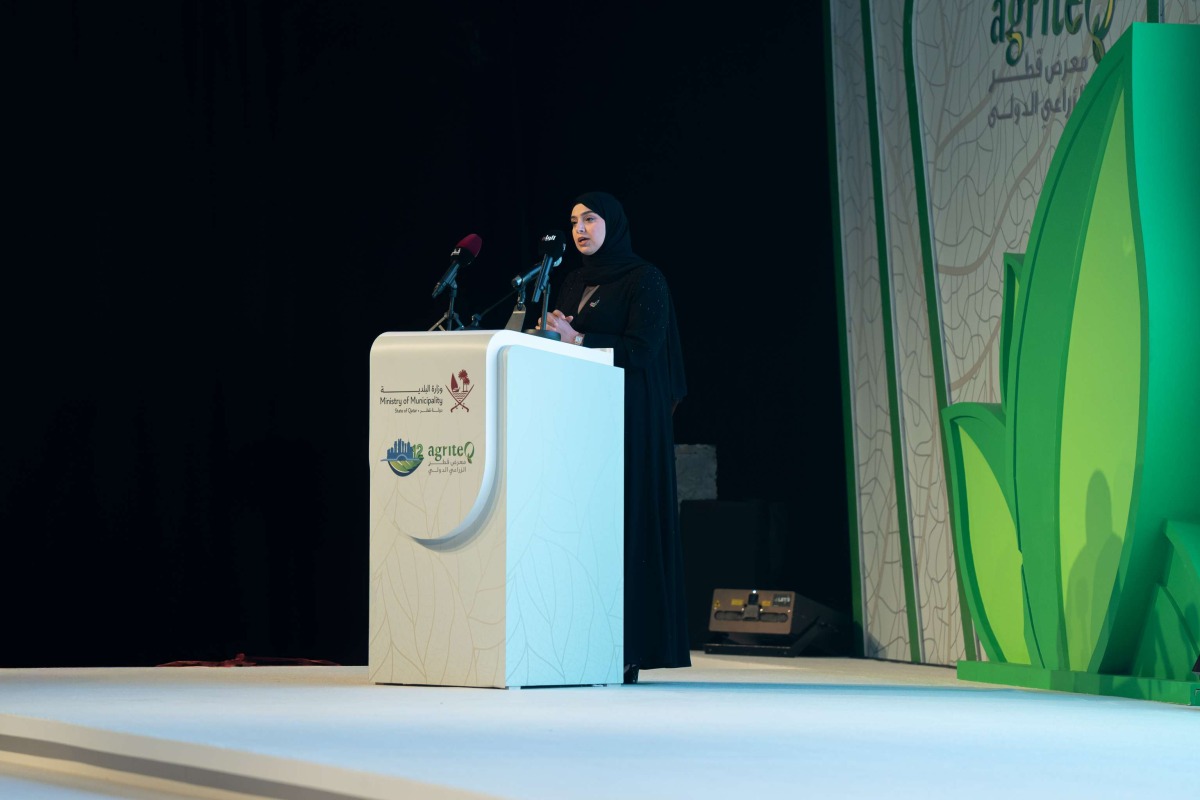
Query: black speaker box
(720, 543)
(753, 543)
(774, 622)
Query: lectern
(497, 492)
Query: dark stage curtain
(219, 205)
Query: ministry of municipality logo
(459, 389)
(402, 459)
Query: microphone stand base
(545, 334)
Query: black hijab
(614, 260)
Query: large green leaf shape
(1076, 499)
(985, 532)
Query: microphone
(462, 255)
(552, 247)
(521, 280)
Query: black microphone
(521, 280)
(552, 247)
(462, 255)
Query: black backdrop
(219, 205)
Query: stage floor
(728, 727)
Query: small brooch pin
(594, 303)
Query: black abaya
(632, 313)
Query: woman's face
(587, 228)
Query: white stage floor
(728, 727)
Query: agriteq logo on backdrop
(1023, 23)
(403, 459)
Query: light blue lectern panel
(563, 422)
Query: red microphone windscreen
(471, 243)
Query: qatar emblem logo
(459, 389)
(403, 458)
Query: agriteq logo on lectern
(403, 459)
(451, 459)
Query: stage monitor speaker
(772, 622)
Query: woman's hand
(560, 323)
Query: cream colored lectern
(497, 492)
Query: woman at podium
(618, 300)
